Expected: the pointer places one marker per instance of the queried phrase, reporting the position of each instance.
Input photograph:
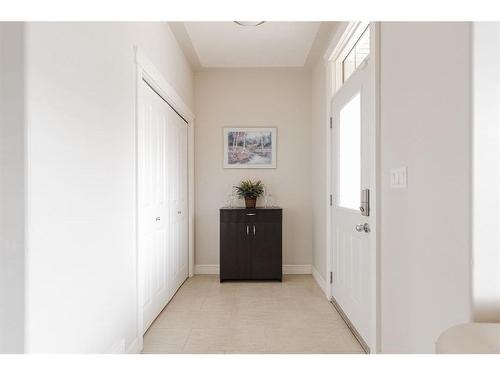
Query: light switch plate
(398, 178)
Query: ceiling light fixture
(249, 23)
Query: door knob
(363, 228)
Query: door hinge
(331, 277)
(331, 200)
(331, 122)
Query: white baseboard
(296, 269)
(319, 280)
(288, 269)
(135, 347)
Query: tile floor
(206, 316)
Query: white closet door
(162, 181)
(178, 201)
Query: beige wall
(80, 119)
(319, 135)
(321, 90)
(246, 98)
(426, 228)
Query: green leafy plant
(249, 189)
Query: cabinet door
(266, 251)
(235, 251)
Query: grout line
(187, 339)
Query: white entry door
(352, 164)
(162, 202)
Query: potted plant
(250, 191)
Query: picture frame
(250, 148)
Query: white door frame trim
(146, 70)
(338, 44)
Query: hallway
(206, 316)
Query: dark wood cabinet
(251, 244)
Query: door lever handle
(363, 228)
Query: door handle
(250, 214)
(157, 219)
(254, 230)
(248, 230)
(363, 228)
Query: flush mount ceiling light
(249, 23)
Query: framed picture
(249, 147)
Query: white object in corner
(398, 178)
(470, 338)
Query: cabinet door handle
(254, 230)
(250, 214)
(247, 230)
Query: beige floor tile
(211, 319)
(185, 303)
(306, 340)
(220, 303)
(331, 320)
(339, 340)
(248, 340)
(173, 319)
(206, 316)
(161, 340)
(207, 340)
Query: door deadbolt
(364, 208)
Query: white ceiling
(228, 45)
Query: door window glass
(350, 153)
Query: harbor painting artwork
(249, 147)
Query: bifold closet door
(162, 202)
(178, 208)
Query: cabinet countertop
(256, 208)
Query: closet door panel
(153, 222)
(182, 207)
(162, 202)
(178, 202)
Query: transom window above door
(352, 51)
(358, 53)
